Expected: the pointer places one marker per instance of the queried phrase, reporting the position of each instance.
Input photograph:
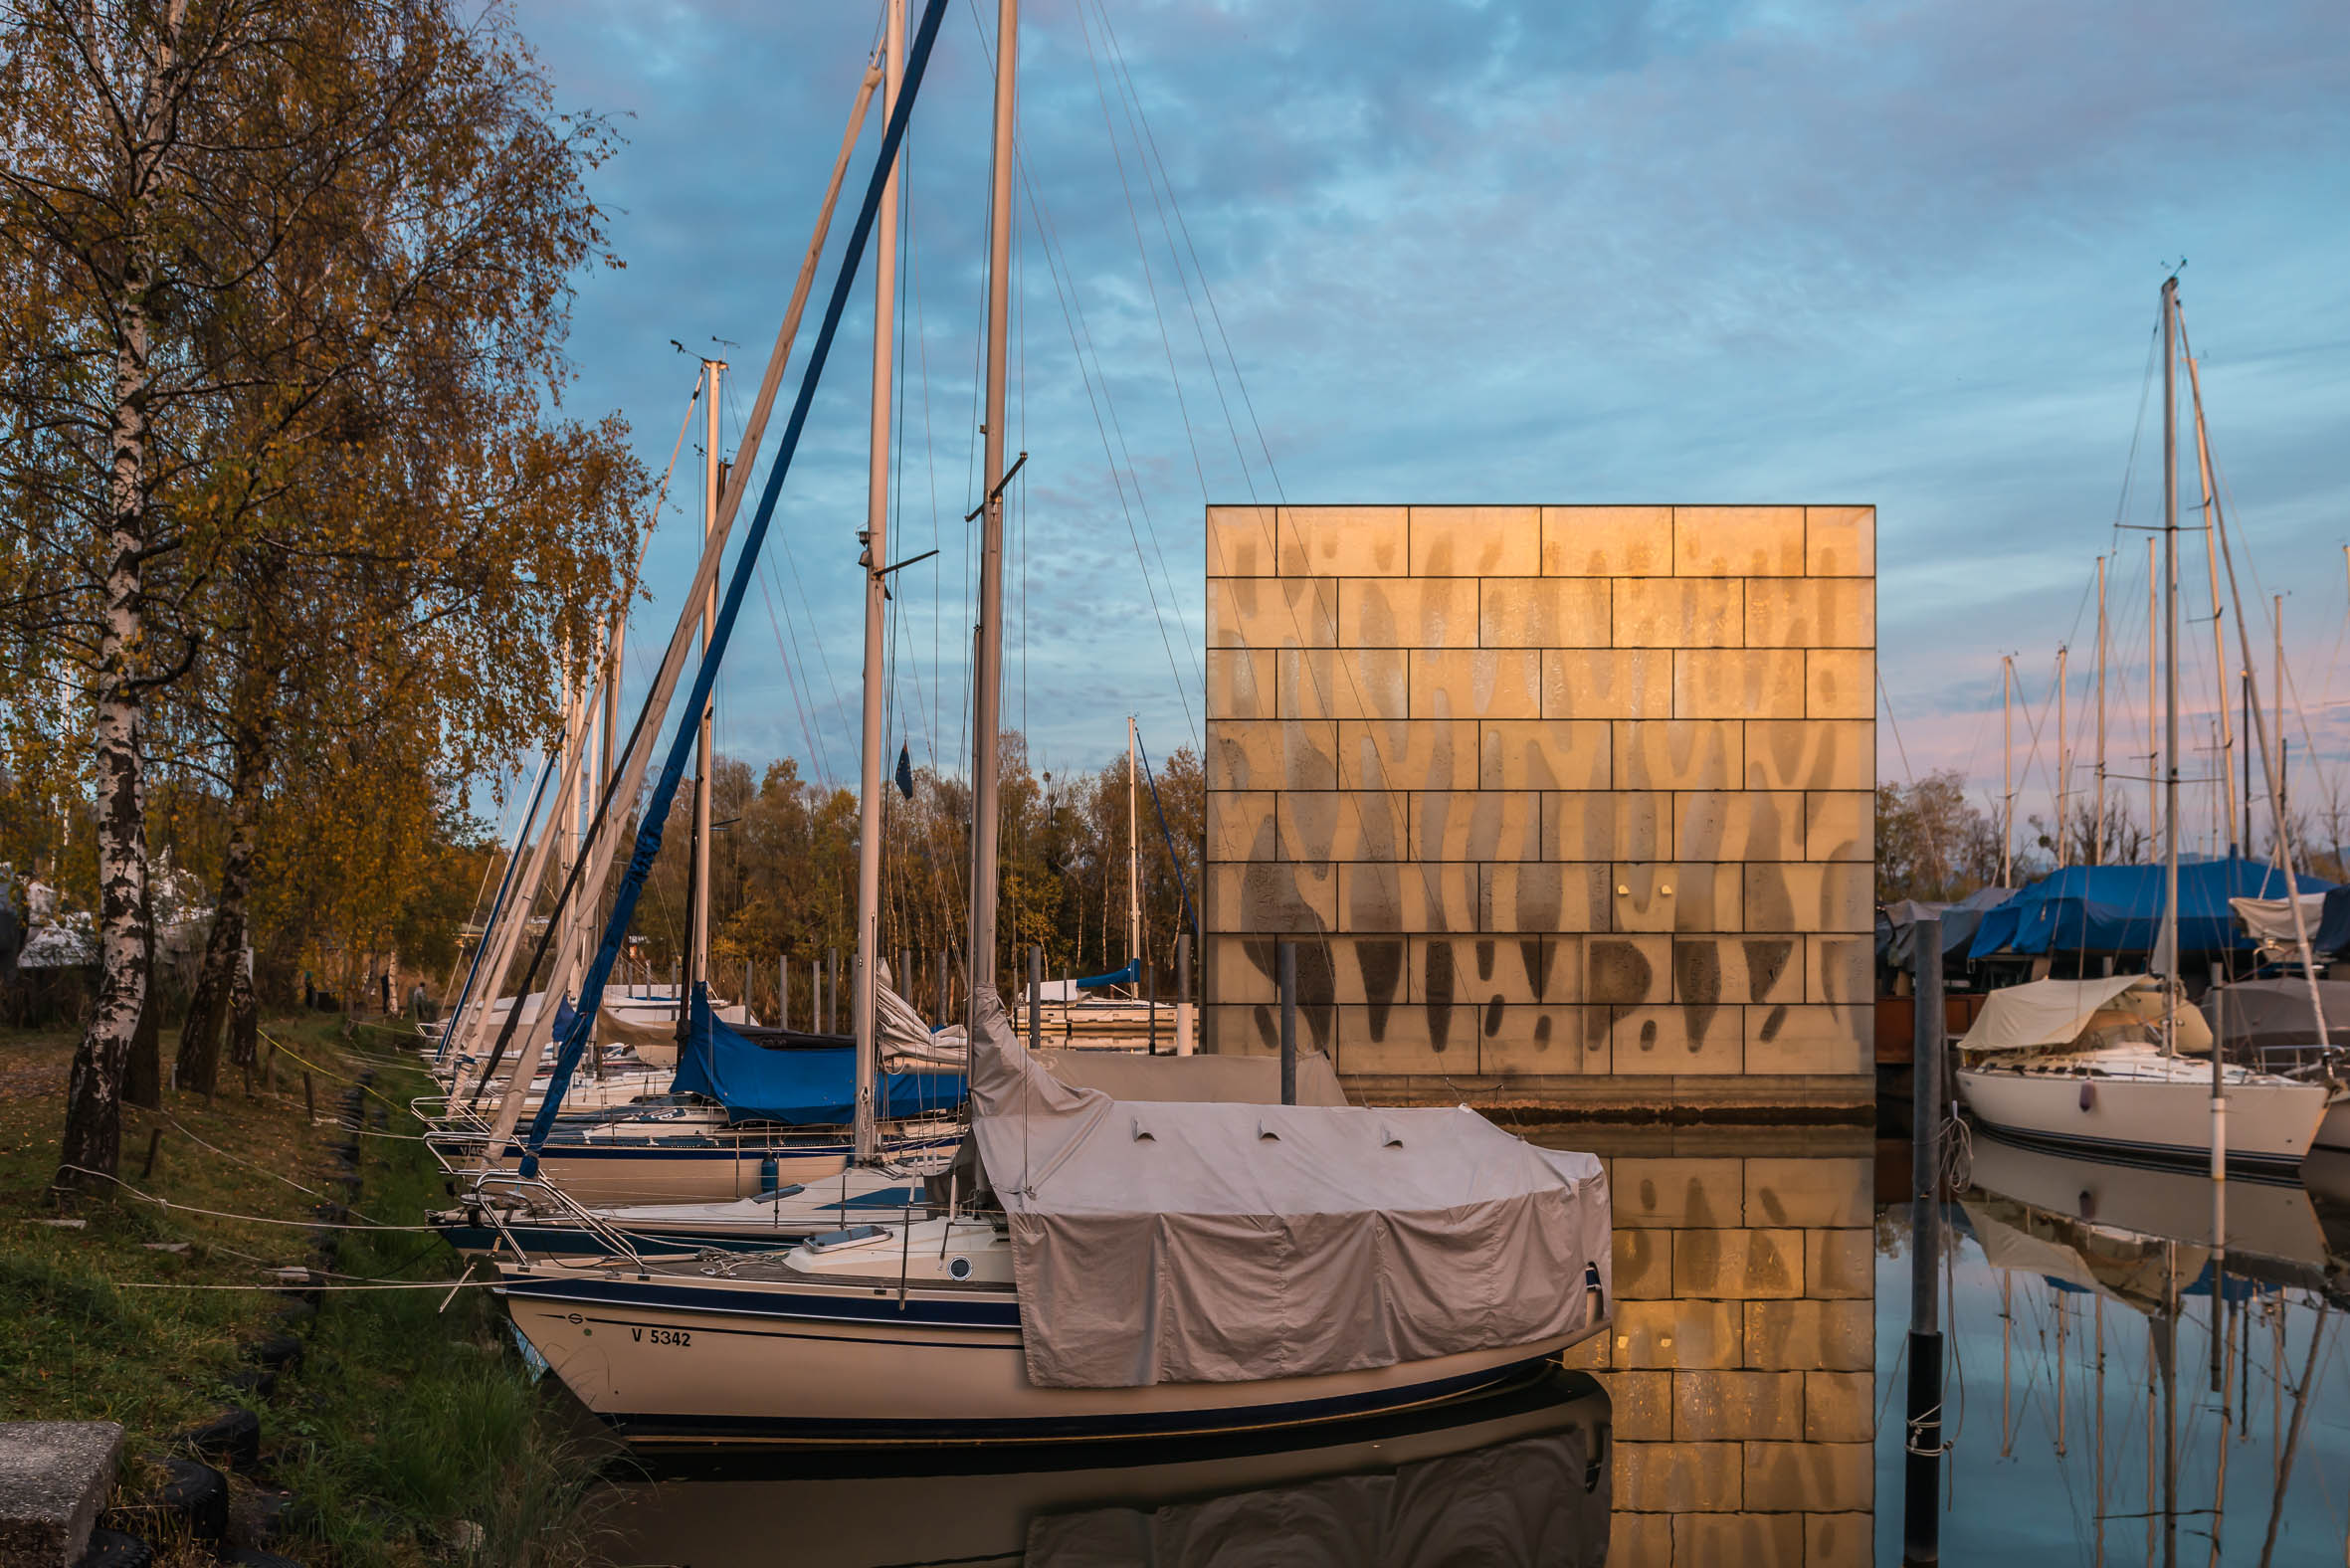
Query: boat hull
(2270, 1125)
(702, 1169)
(2334, 1131)
(670, 1360)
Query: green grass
(404, 1420)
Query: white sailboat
(2048, 1061)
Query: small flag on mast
(905, 772)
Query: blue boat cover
(2118, 909)
(1130, 975)
(810, 1087)
(2333, 927)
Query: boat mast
(2167, 954)
(697, 946)
(1133, 857)
(2153, 670)
(2007, 768)
(2211, 549)
(987, 683)
(2063, 755)
(876, 540)
(2096, 848)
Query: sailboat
(2050, 1062)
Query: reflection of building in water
(1740, 1364)
(1558, 802)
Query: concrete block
(1810, 1336)
(54, 1479)
(1678, 754)
(1738, 825)
(1738, 541)
(1476, 541)
(1352, 683)
(1680, 612)
(1544, 754)
(1240, 1029)
(1681, 1191)
(1607, 683)
(1678, 1039)
(1543, 1038)
(1516, 969)
(1841, 970)
(1241, 826)
(1241, 683)
(1343, 541)
(1675, 1335)
(1839, 682)
(1374, 971)
(1420, 1039)
(1738, 682)
(1740, 1265)
(1840, 542)
(1640, 1402)
(1555, 896)
(1240, 976)
(1840, 1540)
(1606, 825)
(1477, 825)
(1291, 754)
(1543, 612)
(1634, 1541)
(1675, 1478)
(1428, 896)
(1809, 612)
(1840, 1407)
(1735, 970)
(1627, 971)
(1239, 541)
(1271, 612)
(1749, 1540)
(1811, 895)
(1607, 541)
(1814, 754)
(1341, 825)
(1407, 612)
(1804, 1038)
(1726, 1406)
(1840, 1265)
(1274, 895)
(1643, 1269)
(1810, 1192)
(1825, 1477)
(1690, 896)
(1477, 683)
(1838, 825)
(1417, 754)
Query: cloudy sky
(1409, 249)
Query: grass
(411, 1432)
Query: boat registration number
(661, 1336)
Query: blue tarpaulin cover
(807, 1086)
(2333, 927)
(2118, 908)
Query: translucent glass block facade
(1547, 794)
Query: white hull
(2263, 1219)
(2161, 1115)
(687, 1358)
(707, 1169)
(541, 1226)
(2334, 1131)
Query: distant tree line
(296, 538)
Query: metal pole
(2063, 756)
(945, 963)
(783, 991)
(2007, 768)
(832, 991)
(987, 677)
(1133, 855)
(1183, 1007)
(815, 995)
(1289, 973)
(864, 974)
(1151, 1003)
(2097, 839)
(1921, 1520)
(2211, 551)
(697, 946)
(2153, 673)
(1036, 988)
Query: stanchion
(1921, 1518)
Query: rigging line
(1174, 857)
(1133, 536)
(783, 542)
(776, 625)
(1206, 291)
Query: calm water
(1743, 1410)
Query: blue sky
(1905, 254)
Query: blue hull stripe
(883, 1308)
(2163, 1154)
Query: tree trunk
(223, 951)
(93, 1090)
(142, 1077)
(244, 1021)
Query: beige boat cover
(2271, 919)
(2041, 1014)
(1170, 1242)
(1230, 1080)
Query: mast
(2276, 621)
(863, 1001)
(2096, 848)
(2064, 757)
(2153, 671)
(1133, 857)
(987, 677)
(2211, 550)
(2168, 952)
(2007, 768)
(697, 947)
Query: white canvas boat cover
(2043, 1013)
(1172, 1241)
(1228, 1081)
(2271, 919)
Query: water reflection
(1517, 1478)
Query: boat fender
(2089, 1095)
(770, 1173)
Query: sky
(1902, 254)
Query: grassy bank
(408, 1434)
